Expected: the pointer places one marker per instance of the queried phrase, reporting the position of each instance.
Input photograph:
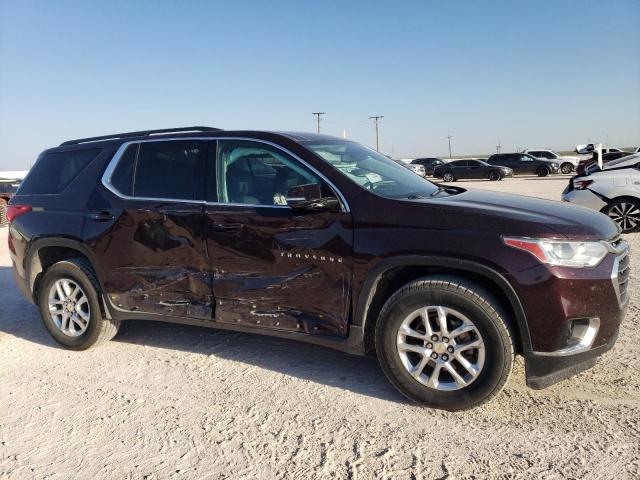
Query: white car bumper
(585, 198)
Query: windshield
(372, 170)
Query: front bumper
(543, 370)
(585, 198)
(579, 318)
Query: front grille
(621, 269)
(623, 277)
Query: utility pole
(449, 137)
(498, 147)
(376, 119)
(318, 115)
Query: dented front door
(274, 269)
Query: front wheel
(626, 213)
(448, 177)
(70, 306)
(494, 176)
(543, 172)
(443, 342)
(566, 168)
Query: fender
(32, 261)
(376, 273)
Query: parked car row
(8, 188)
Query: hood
(517, 215)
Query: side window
(525, 158)
(53, 172)
(253, 173)
(170, 169)
(122, 177)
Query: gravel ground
(170, 401)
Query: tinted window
(257, 174)
(122, 177)
(173, 169)
(54, 171)
(473, 163)
(459, 163)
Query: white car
(590, 147)
(567, 164)
(614, 191)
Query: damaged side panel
(273, 269)
(156, 260)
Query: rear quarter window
(54, 171)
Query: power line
(376, 119)
(449, 137)
(318, 115)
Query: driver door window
(251, 173)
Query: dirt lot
(164, 401)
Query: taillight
(581, 184)
(14, 211)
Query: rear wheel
(444, 343)
(626, 213)
(70, 306)
(448, 177)
(566, 168)
(543, 171)
(494, 176)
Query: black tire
(494, 176)
(566, 168)
(448, 177)
(100, 329)
(624, 212)
(471, 300)
(543, 171)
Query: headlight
(562, 253)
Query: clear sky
(529, 74)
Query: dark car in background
(471, 169)
(524, 164)
(319, 239)
(8, 188)
(428, 163)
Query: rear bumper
(543, 370)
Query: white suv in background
(567, 164)
(614, 191)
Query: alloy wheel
(448, 177)
(626, 215)
(69, 307)
(441, 348)
(566, 168)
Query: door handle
(226, 227)
(102, 217)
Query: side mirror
(308, 198)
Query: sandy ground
(169, 401)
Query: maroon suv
(319, 239)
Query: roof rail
(143, 133)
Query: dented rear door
(152, 251)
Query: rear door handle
(226, 227)
(102, 217)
